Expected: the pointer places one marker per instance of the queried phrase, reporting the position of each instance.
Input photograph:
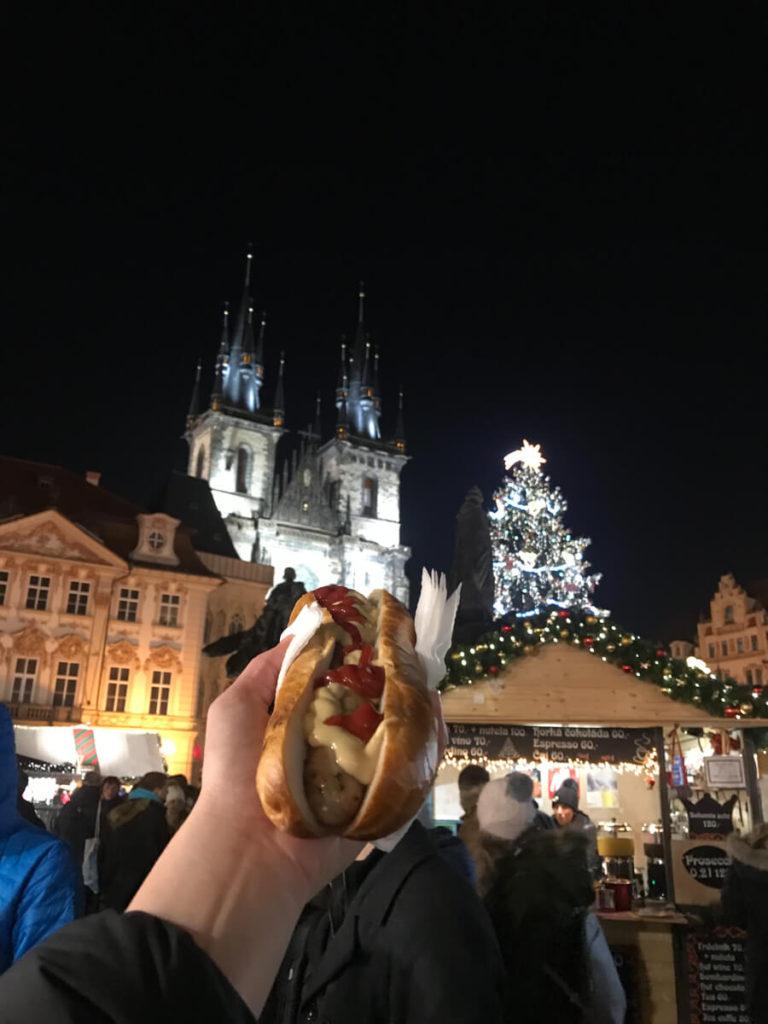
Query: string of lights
(690, 681)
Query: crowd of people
(101, 846)
(491, 925)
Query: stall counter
(643, 946)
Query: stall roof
(125, 753)
(561, 684)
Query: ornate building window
(370, 496)
(160, 693)
(66, 684)
(752, 642)
(728, 614)
(24, 678)
(740, 645)
(724, 648)
(241, 470)
(711, 651)
(117, 688)
(77, 601)
(37, 594)
(169, 609)
(200, 462)
(156, 540)
(128, 605)
(3, 585)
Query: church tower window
(370, 495)
(241, 471)
(200, 466)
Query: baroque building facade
(104, 610)
(330, 508)
(734, 639)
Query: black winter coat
(76, 821)
(120, 968)
(407, 943)
(137, 835)
(745, 903)
(537, 891)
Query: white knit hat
(500, 813)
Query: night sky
(559, 211)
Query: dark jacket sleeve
(122, 968)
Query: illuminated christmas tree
(536, 561)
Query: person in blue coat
(39, 884)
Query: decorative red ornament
(661, 653)
(731, 712)
(626, 668)
(588, 640)
(197, 751)
(506, 629)
(494, 670)
(756, 693)
(563, 614)
(716, 739)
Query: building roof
(189, 499)
(30, 487)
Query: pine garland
(513, 638)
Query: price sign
(707, 865)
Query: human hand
(243, 883)
(234, 735)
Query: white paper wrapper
(303, 627)
(434, 618)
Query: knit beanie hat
(505, 808)
(568, 794)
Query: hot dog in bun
(351, 746)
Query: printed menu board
(554, 743)
(716, 979)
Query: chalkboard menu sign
(716, 980)
(557, 743)
(709, 819)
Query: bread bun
(404, 745)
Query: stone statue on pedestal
(265, 632)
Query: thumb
(259, 677)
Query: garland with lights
(689, 681)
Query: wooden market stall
(560, 706)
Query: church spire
(249, 342)
(399, 438)
(194, 404)
(317, 425)
(258, 359)
(246, 303)
(221, 362)
(358, 351)
(342, 394)
(375, 382)
(342, 385)
(278, 415)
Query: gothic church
(332, 509)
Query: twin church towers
(330, 507)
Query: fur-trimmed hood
(751, 849)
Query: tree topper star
(530, 456)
